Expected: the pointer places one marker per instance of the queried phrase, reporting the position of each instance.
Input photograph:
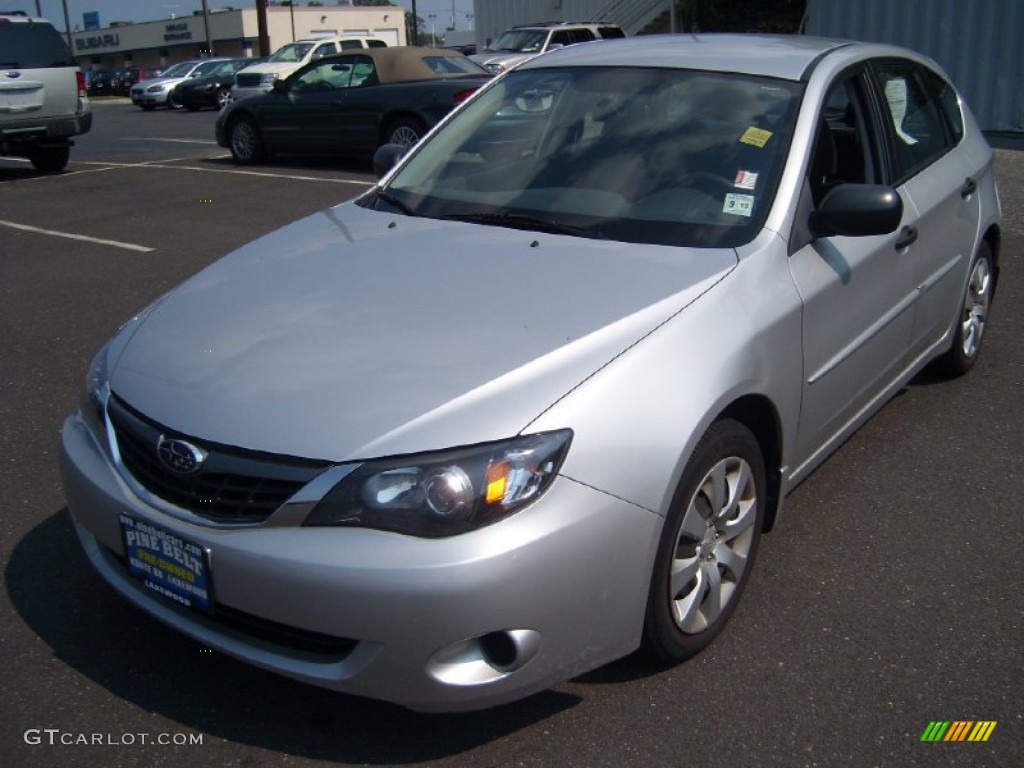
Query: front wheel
(223, 97)
(973, 316)
(708, 544)
(174, 101)
(245, 141)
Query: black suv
(42, 93)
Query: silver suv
(42, 93)
(518, 44)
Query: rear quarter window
(30, 45)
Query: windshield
(520, 41)
(179, 70)
(291, 52)
(664, 156)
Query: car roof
(402, 63)
(789, 57)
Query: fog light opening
(499, 650)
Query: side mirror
(858, 210)
(386, 157)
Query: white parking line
(71, 236)
(161, 164)
(176, 141)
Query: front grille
(243, 80)
(232, 486)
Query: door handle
(907, 236)
(969, 187)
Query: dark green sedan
(350, 104)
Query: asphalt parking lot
(888, 597)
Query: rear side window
(30, 45)
(915, 115)
(608, 33)
(376, 44)
(941, 91)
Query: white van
(259, 78)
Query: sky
(150, 10)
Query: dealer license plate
(172, 566)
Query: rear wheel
(50, 159)
(708, 545)
(973, 318)
(245, 141)
(405, 131)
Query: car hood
(155, 80)
(355, 333)
(506, 60)
(277, 67)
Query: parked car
(101, 82)
(349, 104)
(129, 76)
(150, 94)
(529, 403)
(523, 42)
(210, 90)
(260, 78)
(43, 101)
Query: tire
(173, 101)
(969, 331)
(405, 131)
(50, 159)
(708, 544)
(223, 98)
(245, 141)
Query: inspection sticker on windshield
(175, 568)
(756, 137)
(745, 180)
(740, 205)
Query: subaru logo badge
(180, 456)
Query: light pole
(433, 37)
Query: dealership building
(230, 32)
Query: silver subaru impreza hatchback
(529, 403)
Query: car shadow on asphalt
(57, 594)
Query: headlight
(97, 387)
(268, 79)
(155, 88)
(445, 493)
(494, 69)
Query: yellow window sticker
(756, 137)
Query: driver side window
(845, 150)
(325, 76)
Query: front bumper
(238, 93)
(156, 99)
(562, 585)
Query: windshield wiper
(523, 221)
(394, 202)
